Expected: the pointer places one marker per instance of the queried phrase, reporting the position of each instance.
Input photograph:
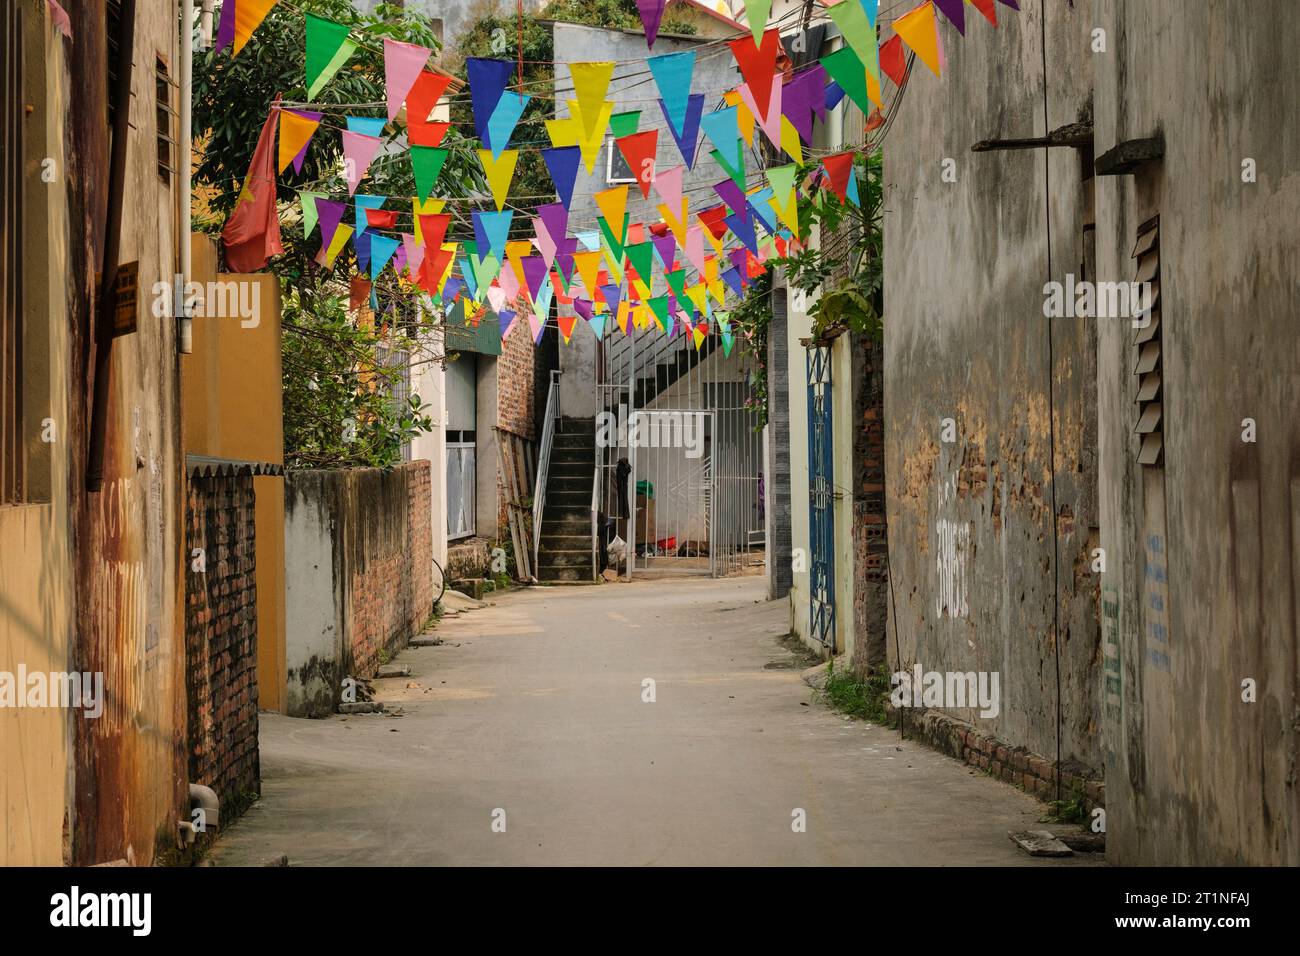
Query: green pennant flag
(659, 306)
(615, 246)
(307, 200)
(737, 174)
(677, 282)
(847, 70)
(624, 124)
(641, 256)
(426, 163)
(328, 48)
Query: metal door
(821, 499)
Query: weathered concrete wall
(870, 537)
(358, 582)
(129, 766)
(36, 549)
(970, 522)
(1195, 775)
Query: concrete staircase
(564, 555)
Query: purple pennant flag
(534, 274)
(666, 246)
(817, 80)
(399, 259)
(564, 256)
(613, 295)
(801, 96)
(953, 13)
(226, 31)
(652, 12)
(733, 280)
(329, 214)
(690, 137)
(452, 288)
(730, 194)
(555, 217)
(739, 260)
(582, 307)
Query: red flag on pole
(252, 233)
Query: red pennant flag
(381, 218)
(986, 7)
(758, 64)
(430, 134)
(252, 233)
(639, 151)
(713, 220)
(839, 167)
(420, 102)
(893, 60)
(359, 293)
(433, 229)
(435, 264)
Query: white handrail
(544, 461)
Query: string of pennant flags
(605, 276)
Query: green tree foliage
(341, 394)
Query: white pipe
(184, 323)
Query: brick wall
(870, 539)
(516, 383)
(221, 636)
(391, 546)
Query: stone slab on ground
(1039, 843)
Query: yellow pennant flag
(588, 266)
(249, 15)
(516, 249)
(873, 90)
(615, 266)
(340, 239)
(920, 31)
(678, 226)
(563, 132)
(451, 247)
(698, 333)
(295, 130)
(718, 289)
(713, 240)
(696, 293)
(590, 84)
(642, 289)
(790, 137)
(744, 118)
(590, 136)
(499, 172)
(613, 207)
(624, 310)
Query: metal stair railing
(544, 461)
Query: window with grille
(163, 86)
(12, 452)
(1148, 346)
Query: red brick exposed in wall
(391, 587)
(515, 383)
(870, 540)
(221, 636)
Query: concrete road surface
(531, 721)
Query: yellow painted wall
(232, 408)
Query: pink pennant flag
(545, 244)
(414, 252)
(669, 185)
(695, 248)
(358, 150)
(509, 283)
(771, 121)
(402, 65)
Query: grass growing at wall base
(868, 699)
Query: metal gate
(688, 498)
(821, 498)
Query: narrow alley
(534, 706)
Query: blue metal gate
(821, 498)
